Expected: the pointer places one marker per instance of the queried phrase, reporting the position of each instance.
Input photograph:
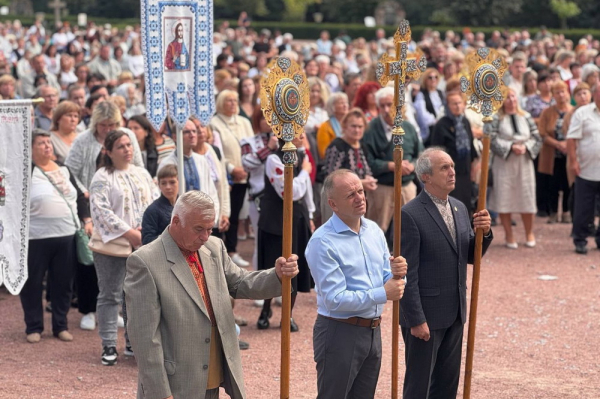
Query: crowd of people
(99, 165)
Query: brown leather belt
(359, 321)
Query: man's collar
(436, 199)
(339, 226)
(386, 126)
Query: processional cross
(402, 69)
(57, 6)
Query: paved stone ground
(535, 338)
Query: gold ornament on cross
(285, 101)
(484, 86)
(401, 70)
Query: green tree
(486, 12)
(564, 9)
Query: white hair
(192, 201)
(333, 98)
(383, 93)
(423, 165)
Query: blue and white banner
(15, 178)
(177, 40)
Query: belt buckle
(373, 321)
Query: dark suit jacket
(436, 287)
(156, 219)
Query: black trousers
(237, 197)
(583, 210)
(57, 256)
(348, 359)
(433, 367)
(557, 183)
(87, 288)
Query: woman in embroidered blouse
(429, 102)
(515, 143)
(56, 207)
(229, 129)
(365, 99)
(120, 192)
(270, 222)
(553, 155)
(63, 132)
(347, 152)
(337, 107)
(255, 151)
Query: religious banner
(177, 44)
(15, 177)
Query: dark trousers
(237, 196)
(87, 288)
(57, 256)
(558, 183)
(583, 210)
(348, 359)
(433, 367)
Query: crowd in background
(97, 156)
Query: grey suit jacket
(436, 286)
(168, 323)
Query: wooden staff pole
(483, 182)
(180, 172)
(286, 282)
(397, 138)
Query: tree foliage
(564, 9)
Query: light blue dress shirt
(349, 269)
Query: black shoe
(581, 249)
(109, 356)
(128, 351)
(263, 321)
(513, 223)
(293, 326)
(243, 345)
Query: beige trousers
(380, 203)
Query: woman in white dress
(515, 143)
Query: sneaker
(243, 345)
(277, 300)
(238, 260)
(553, 218)
(120, 322)
(109, 356)
(512, 245)
(34, 338)
(128, 351)
(259, 303)
(64, 336)
(88, 322)
(242, 237)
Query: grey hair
(329, 183)
(191, 201)
(587, 70)
(383, 93)
(423, 165)
(333, 98)
(38, 92)
(104, 111)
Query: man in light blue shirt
(354, 277)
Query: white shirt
(49, 214)
(585, 127)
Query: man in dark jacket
(437, 242)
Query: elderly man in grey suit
(437, 242)
(180, 320)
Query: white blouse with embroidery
(302, 184)
(119, 199)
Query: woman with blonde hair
(515, 143)
(63, 132)
(337, 108)
(429, 102)
(317, 115)
(229, 128)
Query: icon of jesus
(177, 56)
